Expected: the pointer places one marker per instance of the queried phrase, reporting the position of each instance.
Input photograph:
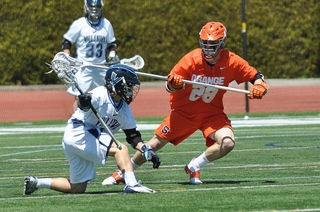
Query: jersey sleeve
(129, 122)
(74, 30)
(246, 72)
(111, 37)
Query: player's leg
(224, 144)
(137, 160)
(58, 184)
(122, 158)
(64, 185)
(219, 137)
(174, 129)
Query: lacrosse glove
(151, 155)
(175, 82)
(84, 102)
(258, 90)
(113, 60)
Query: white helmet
(93, 9)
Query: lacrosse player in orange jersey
(195, 107)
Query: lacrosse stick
(195, 83)
(63, 65)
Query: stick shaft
(195, 83)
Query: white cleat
(137, 189)
(194, 174)
(30, 183)
(115, 179)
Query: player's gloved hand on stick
(258, 90)
(175, 82)
(84, 102)
(151, 155)
(113, 60)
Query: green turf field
(273, 167)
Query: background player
(196, 107)
(85, 142)
(94, 37)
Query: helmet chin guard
(212, 39)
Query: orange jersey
(199, 99)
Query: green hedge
(283, 36)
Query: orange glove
(258, 90)
(175, 82)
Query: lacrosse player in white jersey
(85, 141)
(94, 38)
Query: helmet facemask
(210, 49)
(93, 9)
(126, 90)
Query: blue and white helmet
(93, 9)
(123, 80)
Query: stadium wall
(52, 102)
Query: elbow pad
(133, 137)
(66, 44)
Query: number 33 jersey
(91, 42)
(200, 99)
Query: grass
(271, 168)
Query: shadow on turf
(104, 192)
(229, 182)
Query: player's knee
(124, 148)
(228, 143)
(78, 188)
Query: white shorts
(89, 78)
(84, 146)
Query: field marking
(295, 210)
(162, 191)
(251, 122)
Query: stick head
(63, 65)
(135, 62)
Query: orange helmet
(213, 37)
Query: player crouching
(85, 141)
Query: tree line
(283, 37)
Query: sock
(135, 166)
(201, 160)
(44, 183)
(129, 178)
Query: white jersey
(91, 41)
(115, 116)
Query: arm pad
(66, 44)
(133, 137)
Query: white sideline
(251, 122)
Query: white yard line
(251, 122)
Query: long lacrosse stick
(195, 83)
(64, 66)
